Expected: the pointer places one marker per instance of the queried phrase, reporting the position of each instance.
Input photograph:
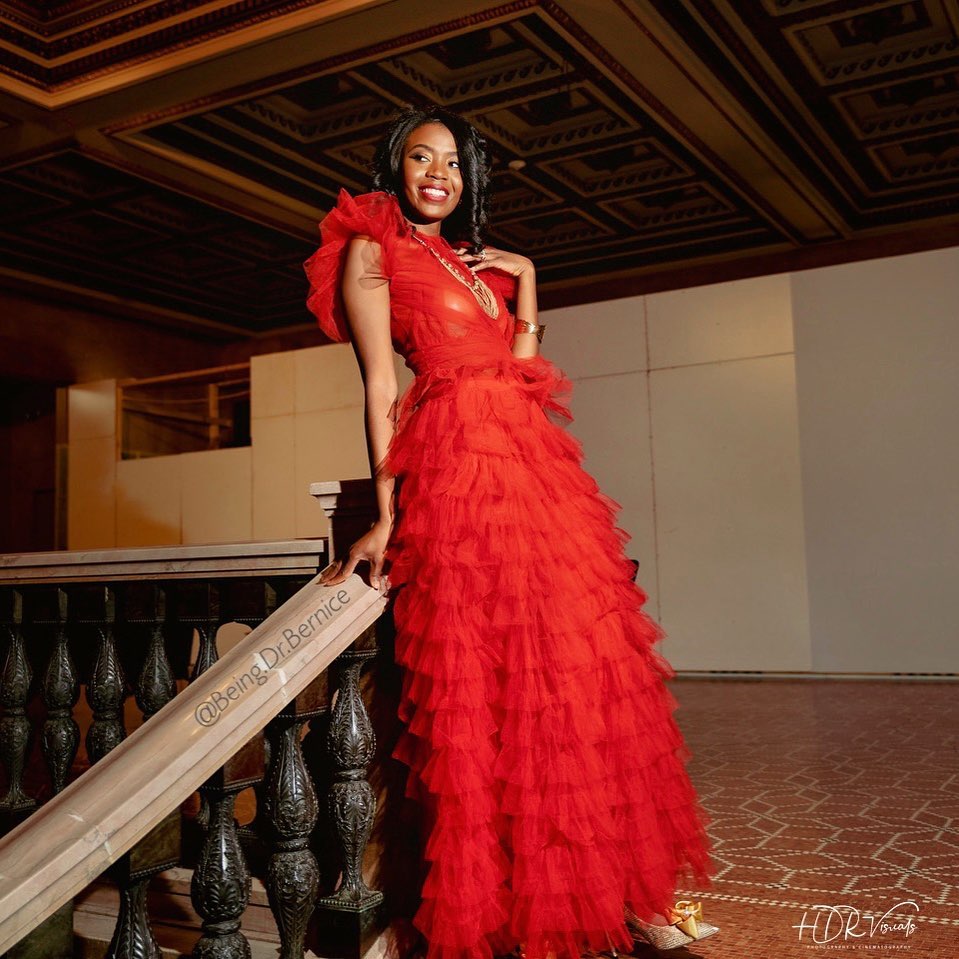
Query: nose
(436, 171)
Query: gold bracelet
(525, 326)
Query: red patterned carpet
(834, 804)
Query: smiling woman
(538, 731)
(431, 175)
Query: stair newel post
(15, 729)
(60, 737)
(106, 689)
(291, 807)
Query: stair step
(92, 934)
(175, 923)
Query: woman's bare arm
(366, 296)
(525, 345)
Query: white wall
(685, 403)
(878, 376)
(795, 506)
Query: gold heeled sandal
(688, 916)
(686, 925)
(659, 937)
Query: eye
(418, 156)
(455, 163)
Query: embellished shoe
(688, 916)
(659, 937)
(686, 925)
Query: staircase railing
(122, 815)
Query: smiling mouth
(436, 194)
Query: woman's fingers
(330, 573)
(336, 572)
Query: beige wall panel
(274, 478)
(597, 338)
(217, 496)
(330, 445)
(91, 493)
(272, 385)
(327, 378)
(148, 501)
(92, 410)
(877, 357)
(611, 420)
(721, 321)
(729, 513)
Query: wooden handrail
(298, 557)
(68, 842)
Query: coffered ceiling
(170, 159)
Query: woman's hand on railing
(370, 547)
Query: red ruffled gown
(538, 728)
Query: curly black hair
(470, 218)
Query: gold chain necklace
(483, 294)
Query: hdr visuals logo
(845, 927)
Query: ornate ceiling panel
(637, 144)
(63, 41)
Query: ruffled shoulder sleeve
(376, 215)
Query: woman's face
(432, 182)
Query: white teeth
(439, 194)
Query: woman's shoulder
(375, 214)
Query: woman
(538, 729)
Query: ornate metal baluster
(293, 875)
(352, 803)
(61, 690)
(156, 685)
(133, 934)
(107, 688)
(220, 888)
(15, 727)
(260, 829)
(207, 654)
(160, 849)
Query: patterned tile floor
(830, 801)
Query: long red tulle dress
(537, 726)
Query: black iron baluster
(106, 690)
(291, 807)
(133, 936)
(220, 887)
(349, 915)
(15, 729)
(156, 685)
(61, 690)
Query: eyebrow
(425, 146)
